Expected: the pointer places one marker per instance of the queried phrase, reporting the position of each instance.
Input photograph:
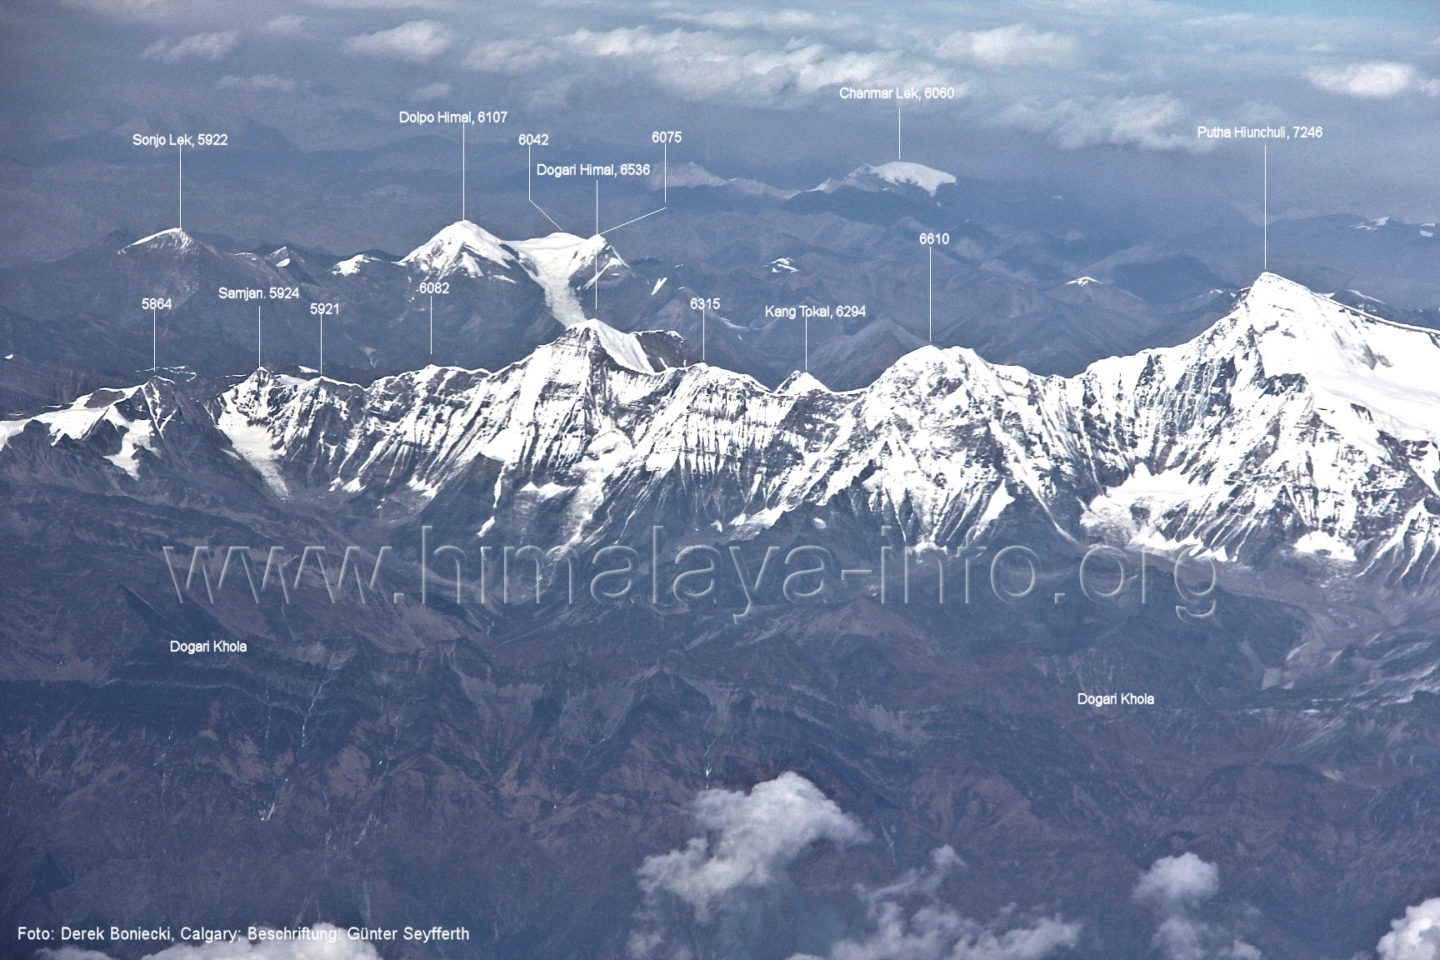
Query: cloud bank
(418, 41)
(714, 891)
(1177, 890)
(755, 837)
(260, 82)
(199, 46)
(1031, 80)
(1014, 46)
(1415, 936)
(1375, 80)
(909, 919)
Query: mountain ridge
(1235, 445)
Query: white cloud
(629, 41)
(755, 837)
(1374, 80)
(720, 881)
(1415, 936)
(385, 4)
(260, 83)
(1147, 7)
(735, 61)
(198, 46)
(432, 91)
(735, 56)
(204, 46)
(286, 23)
(774, 21)
(707, 886)
(126, 9)
(1016, 45)
(942, 934)
(418, 41)
(1178, 881)
(510, 56)
(325, 943)
(907, 919)
(1152, 122)
(704, 64)
(1176, 888)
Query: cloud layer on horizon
(1126, 82)
(1114, 73)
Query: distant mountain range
(1003, 273)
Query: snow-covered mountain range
(563, 265)
(1295, 426)
(464, 294)
(1007, 280)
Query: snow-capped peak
(623, 348)
(352, 266)
(801, 382)
(1366, 373)
(1273, 299)
(1292, 414)
(460, 247)
(690, 174)
(557, 261)
(174, 239)
(901, 171)
(1082, 282)
(895, 173)
(280, 257)
(138, 415)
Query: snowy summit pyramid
(889, 176)
(1294, 421)
(174, 241)
(562, 265)
(462, 247)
